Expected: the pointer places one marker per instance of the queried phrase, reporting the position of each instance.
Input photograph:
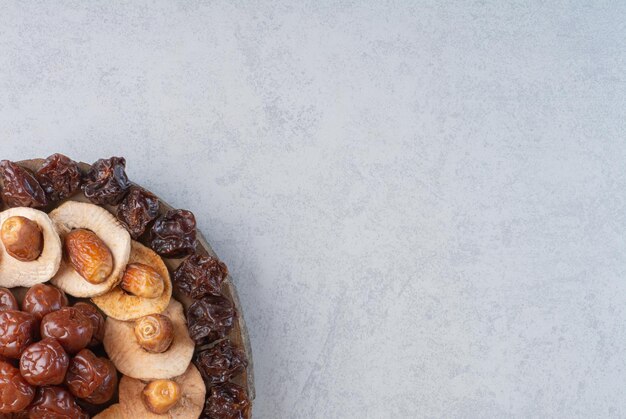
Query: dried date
(55, 402)
(91, 378)
(137, 210)
(227, 401)
(15, 393)
(20, 188)
(17, 332)
(174, 234)
(59, 177)
(106, 182)
(221, 363)
(199, 276)
(210, 318)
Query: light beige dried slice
(124, 306)
(14, 273)
(131, 359)
(115, 411)
(73, 215)
(189, 406)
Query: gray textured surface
(423, 207)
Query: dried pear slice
(115, 411)
(15, 273)
(131, 359)
(123, 306)
(74, 215)
(189, 406)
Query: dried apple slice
(79, 215)
(190, 405)
(16, 273)
(132, 360)
(122, 305)
(115, 411)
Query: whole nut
(154, 333)
(161, 395)
(22, 238)
(143, 281)
(89, 255)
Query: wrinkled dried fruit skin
(199, 276)
(88, 255)
(174, 234)
(7, 300)
(106, 182)
(20, 188)
(70, 327)
(59, 177)
(15, 393)
(154, 333)
(161, 395)
(91, 378)
(97, 321)
(221, 363)
(143, 281)
(44, 363)
(55, 403)
(41, 299)
(137, 210)
(210, 318)
(22, 238)
(227, 401)
(17, 332)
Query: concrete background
(422, 203)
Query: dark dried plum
(199, 276)
(221, 363)
(210, 318)
(20, 188)
(59, 177)
(137, 210)
(106, 182)
(174, 234)
(55, 402)
(227, 401)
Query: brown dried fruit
(70, 327)
(154, 333)
(15, 393)
(97, 321)
(210, 318)
(161, 395)
(227, 401)
(91, 378)
(174, 234)
(55, 403)
(59, 177)
(137, 210)
(21, 189)
(106, 182)
(7, 300)
(17, 332)
(22, 238)
(89, 255)
(221, 363)
(143, 281)
(44, 363)
(41, 299)
(199, 276)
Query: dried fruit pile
(89, 326)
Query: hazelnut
(161, 395)
(143, 281)
(22, 238)
(154, 333)
(89, 255)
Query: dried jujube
(227, 401)
(41, 299)
(17, 332)
(137, 210)
(221, 362)
(199, 276)
(174, 234)
(210, 318)
(59, 177)
(70, 327)
(15, 393)
(106, 182)
(55, 403)
(7, 300)
(91, 378)
(20, 188)
(44, 363)
(97, 321)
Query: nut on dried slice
(122, 305)
(190, 405)
(121, 344)
(15, 272)
(79, 215)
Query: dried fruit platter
(112, 304)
